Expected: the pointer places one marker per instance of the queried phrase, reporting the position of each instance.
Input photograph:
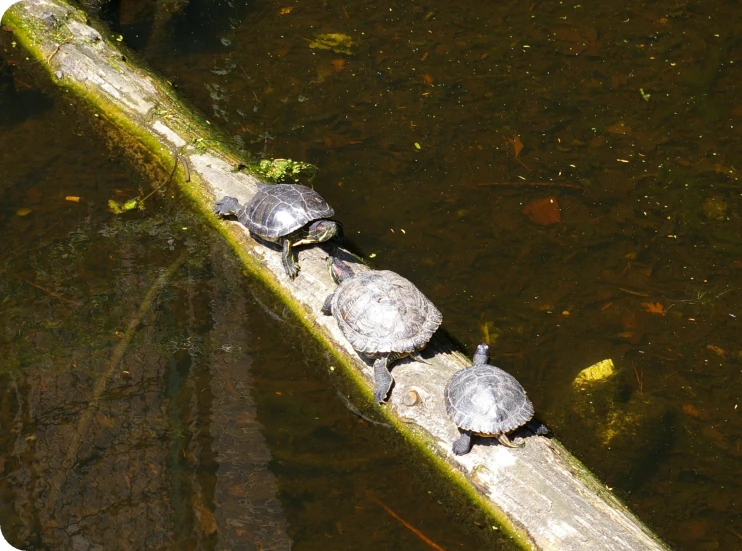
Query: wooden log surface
(541, 493)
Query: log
(542, 494)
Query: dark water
(429, 135)
(220, 424)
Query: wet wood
(540, 492)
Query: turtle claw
(505, 441)
(290, 265)
(380, 395)
(292, 269)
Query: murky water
(151, 397)
(562, 179)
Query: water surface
(561, 179)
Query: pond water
(559, 178)
(154, 397)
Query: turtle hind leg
(463, 445)
(290, 265)
(327, 306)
(382, 379)
(505, 441)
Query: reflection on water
(428, 134)
(218, 424)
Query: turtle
(287, 214)
(383, 316)
(485, 400)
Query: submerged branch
(407, 525)
(49, 292)
(530, 184)
(70, 459)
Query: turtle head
(339, 270)
(227, 206)
(323, 230)
(482, 355)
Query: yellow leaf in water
(23, 212)
(72, 198)
(596, 372)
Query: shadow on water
(223, 426)
(430, 125)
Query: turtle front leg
(382, 379)
(290, 265)
(505, 441)
(462, 446)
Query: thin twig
(635, 293)
(169, 179)
(25, 250)
(49, 292)
(639, 378)
(51, 55)
(530, 184)
(70, 459)
(186, 168)
(353, 409)
(407, 525)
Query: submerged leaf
(596, 372)
(543, 212)
(119, 208)
(517, 145)
(654, 308)
(337, 42)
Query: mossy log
(541, 493)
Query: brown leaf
(517, 145)
(204, 516)
(693, 411)
(716, 350)
(569, 35)
(543, 211)
(654, 308)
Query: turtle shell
(278, 210)
(379, 311)
(487, 400)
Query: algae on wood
(541, 493)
